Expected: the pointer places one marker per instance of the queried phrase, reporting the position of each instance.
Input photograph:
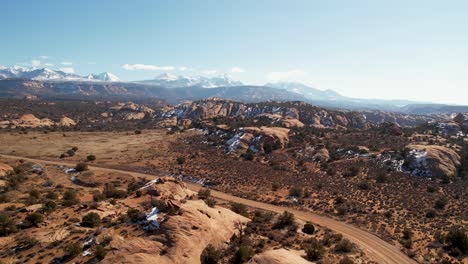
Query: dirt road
(374, 247)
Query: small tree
(239, 209)
(91, 220)
(34, 219)
(204, 193)
(284, 220)
(7, 225)
(295, 191)
(344, 246)
(457, 238)
(135, 215)
(314, 249)
(308, 228)
(81, 166)
(101, 252)
(243, 254)
(441, 203)
(49, 206)
(70, 197)
(73, 249)
(210, 255)
(180, 160)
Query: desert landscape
(233, 132)
(360, 186)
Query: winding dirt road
(375, 248)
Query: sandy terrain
(374, 247)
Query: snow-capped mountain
(46, 74)
(105, 77)
(172, 81)
(308, 92)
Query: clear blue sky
(374, 49)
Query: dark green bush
(210, 255)
(91, 220)
(308, 228)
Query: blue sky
(371, 49)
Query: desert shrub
(431, 213)
(134, 185)
(431, 189)
(243, 254)
(137, 132)
(204, 193)
(52, 195)
(364, 185)
(381, 178)
(249, 155)
(295, 191)
(210, 255)
(308, 228)
(110, 191)
(91, 220)
(91, 157)
(101, 252)
(73, 249)
(262, 217)
(440, 203)
(180, 160)
(35, 194)
(7, 225)
(314, 249)
(210, 202)
(284, 220)
(70, 197)
(14, 179)
(331, 171)
(70, 153)
(275, 186)
(457, 238)
(407, 233)
(98, 196)
(4, 198)
(81, 166)
(135, 215)
(49, 206)
(344, 246)
(26, 242)
(352, 171)
(34, 219)
(122, 219)
(239, 209)
(341, 209)
(346, 260)
(75, 149)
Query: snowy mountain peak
(105, 77)
(45, 74)
(172, 81)
(307, 91)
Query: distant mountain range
(46, 74)
(47, 83)
(172, 81)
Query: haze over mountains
(44, 82)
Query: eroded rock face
(4, 169)
(181, 237)
(288, 114)
(129, 111)
(432, 160)
(258, 139)
(31, 121)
